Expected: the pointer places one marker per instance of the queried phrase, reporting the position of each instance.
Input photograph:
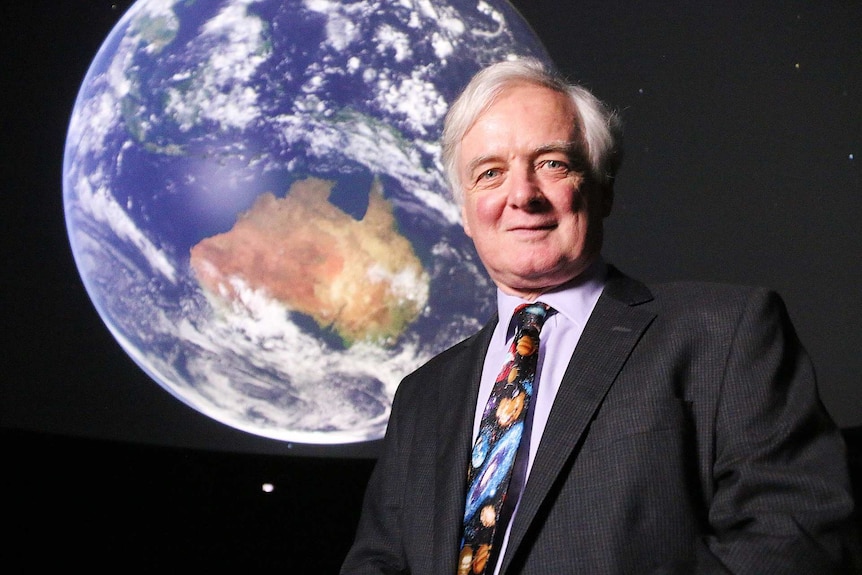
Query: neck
(531, 294)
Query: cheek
(484, 211)
(566, 195)
(578, 199)
(480, 213)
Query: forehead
(522, 117)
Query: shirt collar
(575, 302)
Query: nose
(525, 192)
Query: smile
(533, 228)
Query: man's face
(535, 219)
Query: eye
(553, 165)
(487, 178)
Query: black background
(743, 150)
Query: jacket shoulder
(457, 358)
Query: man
(666, 429)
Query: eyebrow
(478, 161)
(567, 147)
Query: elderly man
(607, 427)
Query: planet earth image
(256, 206)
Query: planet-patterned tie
(497, 444)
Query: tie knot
(533, 315)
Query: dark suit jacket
(687, 437)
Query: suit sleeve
(781, 496)
(377, 547)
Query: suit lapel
(611, 333)
(454, 428)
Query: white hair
(598, 126)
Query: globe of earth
(255, 202)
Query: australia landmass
(360, 278)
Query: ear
(606, 201)
(465, 223)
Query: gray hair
(598, 125)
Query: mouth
(533, 228)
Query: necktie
(501, 432)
